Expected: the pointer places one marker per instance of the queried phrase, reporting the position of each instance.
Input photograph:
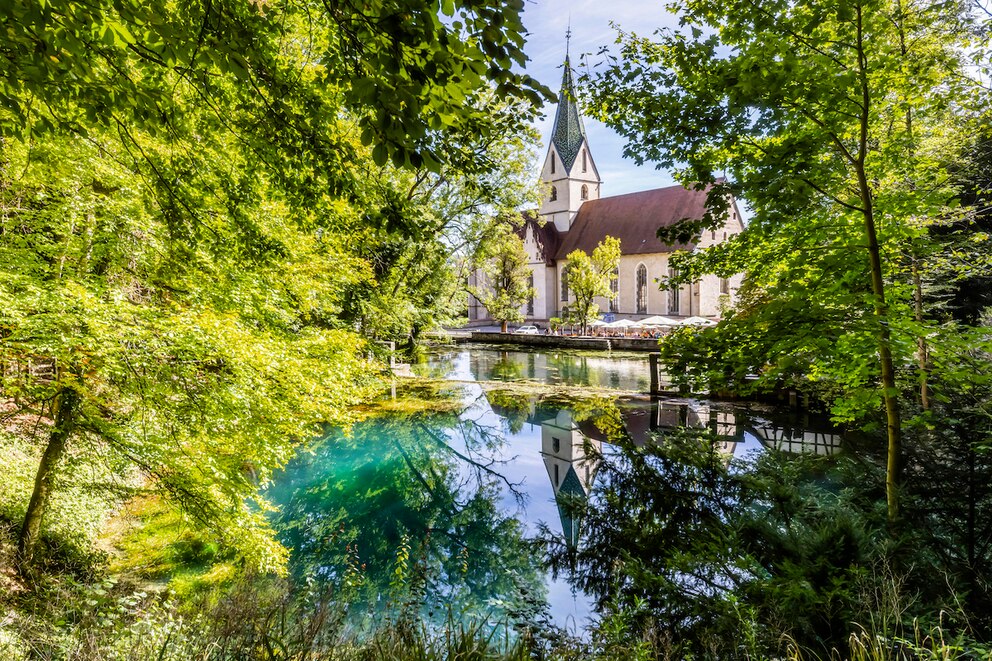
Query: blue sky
(547, 21)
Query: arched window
(673, 294)
(564, 284)
(642, 289)
(585, 192)
(584, 166)
(554, 194)
(552, 163)
(530, 300)
(615, 288)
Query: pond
(438, 513)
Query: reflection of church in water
(571, 458)
(572, 450)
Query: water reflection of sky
(523, 464)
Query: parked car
(528, 330)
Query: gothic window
(673, 294)
(642, 289)
(554, 192)
(712, 235)
(564, 284)
(724, 286)
(615, 288)
(530, 300)
(583, 162)
(585, 192)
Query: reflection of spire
(570, 467)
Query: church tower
(571, 468)
(569, 175)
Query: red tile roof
(634, 219)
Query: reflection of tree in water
(686, 543)
(506, 368)
(436, 365)
(388, 517)
(513, 407)
(571, 369)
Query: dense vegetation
(856, 133)
(213, 213)
(210, 214)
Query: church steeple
(569, 134)
(569, 174)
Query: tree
(432, 222)
(407, 70)
(506, 277)
(180, 189)
(814, 111)
(589, 276)
(186, 359)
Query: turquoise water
(426, 513)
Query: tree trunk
(922, 349)
(66, 403)
(890, 394)
(504, 327)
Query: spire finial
(568, 35)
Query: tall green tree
(182, 216)
(815, 112)
(589, 276)
(506, 277)
(188, 360)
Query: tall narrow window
(584, 166)
(673, 294)
(556, 475)
(615, 288)
(552, 163)
(585, 192)
(555, 444)
(642, 289)
(564, 284)
(554, 193)
(724, 286)
(530, 300)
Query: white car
(527, 330)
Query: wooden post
(653, 359)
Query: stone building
(575, 216)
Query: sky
(547, 22)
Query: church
(575, 216)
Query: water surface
(430, 512)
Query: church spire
(569, 174)
(568, 132)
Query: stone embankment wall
(561, 341)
